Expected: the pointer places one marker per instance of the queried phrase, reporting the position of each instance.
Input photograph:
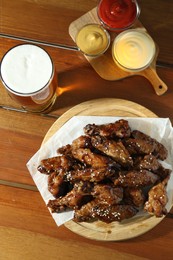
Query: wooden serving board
(104, 64)
(98, 230)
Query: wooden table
(27, 230)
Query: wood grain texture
(44, 247)
(19, 140)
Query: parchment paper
(158, 128)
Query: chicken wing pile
(109, 173)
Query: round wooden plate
(98, 230)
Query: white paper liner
(158, 128)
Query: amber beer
(28, 74)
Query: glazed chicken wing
(115, 150)
(118, 129)
(56, 184)
(82, 141)
(91, 174)
(149, 162)
(72, 199)
(157, 199)
(96, 210)
(53, 164)
(92, 159)
(107, 194)
(138, 146)
(159, 150)
(134, 196)
(136, 179)
(85, 213)
(112, 213)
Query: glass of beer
(29, 76)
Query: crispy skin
(112, 213)
(72, 199)
(157, 199)
(134, 196)
(56, 184)
(91, 174)
(92, 159)
(139, 146)
(159, 150)
(53, 164)
(136, 179)
(96, 210)
(85, 213)
(82, 141)
(118, 129)
(108, 194)
(150, 162)
(115, 150)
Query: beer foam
(26, 69)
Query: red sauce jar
(118, 14)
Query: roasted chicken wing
(118, 129)
(157, 199)
(138, 146)
(134, 196)
(107, 194)
(91, 174)
(92, 159)
(115, 150)
(72, 199)
(82, 141)
(86, 213)
(136, 179)
(159, 150)
(150, 163)
(96, 210)
(56, 184)
(112, 213)
(55, 163)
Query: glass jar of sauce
(92, 40)
(117, 15)
(133, 50)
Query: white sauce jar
(133, 50)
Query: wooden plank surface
(27, 230)
(19, 140)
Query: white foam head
(26, 69)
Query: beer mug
(29, 76)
